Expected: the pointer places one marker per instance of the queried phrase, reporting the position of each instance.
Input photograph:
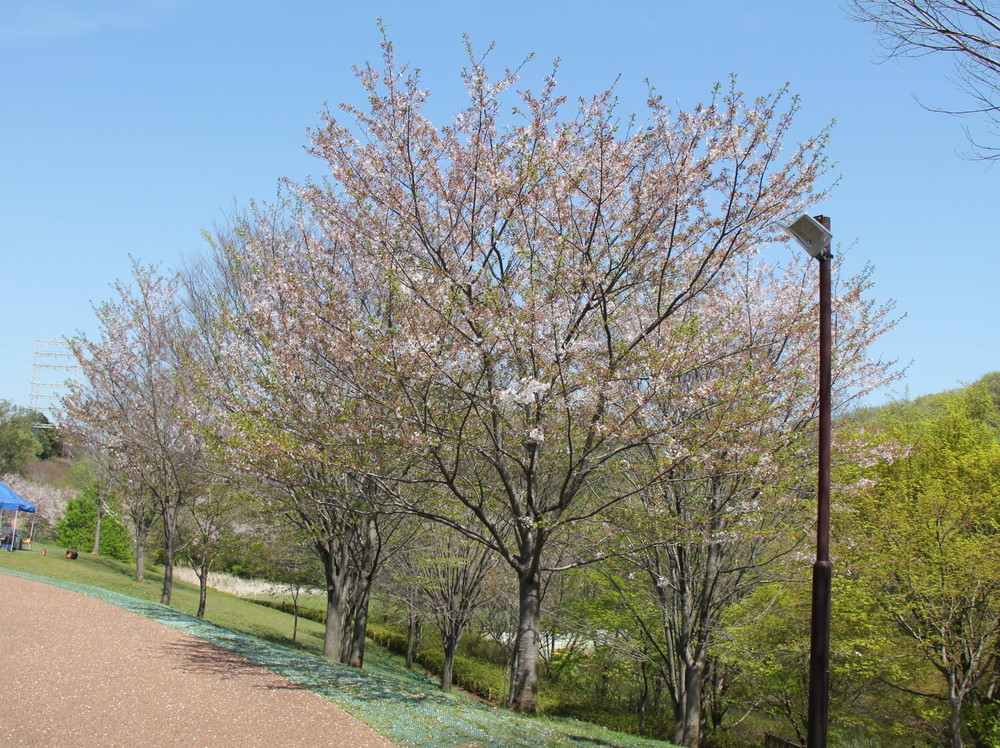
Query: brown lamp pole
(814, 235)
(819, 646)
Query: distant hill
(928, 404)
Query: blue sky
(129, 126)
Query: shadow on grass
(202, 657)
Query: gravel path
(78, 671)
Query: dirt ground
(77, 671)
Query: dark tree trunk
(140, 561)
(448, 670)
(169, 512)
(295, 610)
(359, 631)
(643, 700)
(202, 586)
(168, 570)
(333, 636)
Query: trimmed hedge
(285, 607)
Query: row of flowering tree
(135, 408)
(513, 327)
(529, 328)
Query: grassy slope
(404, 705)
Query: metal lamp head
(810, 233)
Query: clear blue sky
(129, 126)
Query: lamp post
(814, 236)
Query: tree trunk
(97, 528)
(694, 681)
(202, 587)
(334, 634)
(643, 698)
(141, 522)
(524, 686)
(335, 572)
(168, 569)
(448, 670)
(412, 637)
(365, 551)
(359, 631)
(955, 720)
(169, 514)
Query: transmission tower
(52, 358)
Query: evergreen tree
(78, 524)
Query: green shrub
(484, 679)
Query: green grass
(405, 706)
(221, 609)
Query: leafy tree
(77, 527)
(262, 416)
(452, 577)
(19, 443)
(49, 437)
(927, 540)
(207, 529)
(295, 567)
(709, 529)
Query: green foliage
(19, 444)
(49, 438)
(983, 722)
(923, 552)
(480, 677)
(79, 522)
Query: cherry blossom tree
(49, 501)
(208, 530)
(497, 305)
(274, 419)
(705, 532)
(135, 406)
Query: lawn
(405, 706)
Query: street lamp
(814, 236)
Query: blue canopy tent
(10, 501)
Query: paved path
(76, 671)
